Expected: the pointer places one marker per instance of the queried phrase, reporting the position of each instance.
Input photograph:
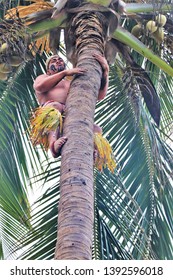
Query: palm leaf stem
(145, 8)
(127, 38)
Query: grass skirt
(44, 120)
(104, 156)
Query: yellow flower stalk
(104, 156)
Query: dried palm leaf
(24, 11)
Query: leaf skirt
(42, 121)
(104, 154)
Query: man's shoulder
(41, 76)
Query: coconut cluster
(153, 27)
(13, 46)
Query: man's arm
(44, 83)
(105, 76)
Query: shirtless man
(52, 88)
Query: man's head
(55, 64)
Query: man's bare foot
(57, 145)
(102, 60)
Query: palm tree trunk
(76, 207)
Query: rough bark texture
(76, 207)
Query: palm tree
(130, 209)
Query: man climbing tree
(51, 90)
(46, 124)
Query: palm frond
(19, 161)
(139, 151)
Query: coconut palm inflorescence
(14, 45)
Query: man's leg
(55, 143)
(97, 129)
(57, 105)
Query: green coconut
(151, 26)
(161, 20)
(15, 60)
(5, 68)
(3, 76)
(136, 30)
(159, 35)
(3, 47)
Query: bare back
(57, 93)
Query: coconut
(151, 26)
(159, 35)
(3, 47)
(5, 68)
(161, 20)
(3, 76)
(136, 30)
(15, 60)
